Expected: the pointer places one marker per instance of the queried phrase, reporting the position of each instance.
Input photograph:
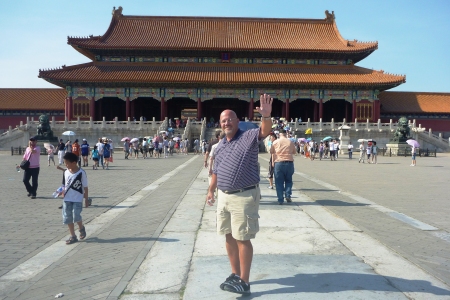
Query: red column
(92, 108)
(66, 108)
(250, 109)
(287, 110)
(376, 110)
(199, 109)
(127, 109)
(163, 109)
(70, 110)
(354, 111)
(283, 110)
(320, 109)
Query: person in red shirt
(77, 151)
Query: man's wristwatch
(266, 118)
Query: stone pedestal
(398, 148)
(344, 139)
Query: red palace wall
(13, 121)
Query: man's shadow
(340, 282)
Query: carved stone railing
(187, 130)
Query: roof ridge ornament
(117, 12)
(329, 17)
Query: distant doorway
(304, 109)
(338, 110)
(176, 105)
(214, 107)
(277, 108)
(145, 107)
(110, 107)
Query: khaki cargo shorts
(238, 214)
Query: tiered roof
(229, 75)
(293, 36)
(415, 102)
(32, 99)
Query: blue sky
(413, 36)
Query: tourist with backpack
(95, 158)
(106, 154)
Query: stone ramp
(301, 252)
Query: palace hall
(159, 66)
(156, 66)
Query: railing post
(390, 125)
(440, 137)
(321, 124)
(367, 125)
(65, 123)
(20, 150)
(332, 124)
(9, 130)
(141, 123)
(379, 125)
(103, 122)
(78, 122)
(90, 123)
(308, 124)
(295, 125)
(53, 121)
(356, 125)
(343, 121)
(429, 132)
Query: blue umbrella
(308, 139)
(328, 138)
(247, 125)
(292, 139)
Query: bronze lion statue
(402, 132)
(43, 129)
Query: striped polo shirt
(236, 161)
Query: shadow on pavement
(127, 239)
(338, 203)
(339, 282)
(319, 190)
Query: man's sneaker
(288, 199)
(270, 187)
(238, 287)
(231, 279)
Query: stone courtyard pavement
(353, 231)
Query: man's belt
(241, 190)
(285, 161)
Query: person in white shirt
(361, 152)
(350, 150)
(413, 156)
(332, 150)
(100, 146)
(75, 187)
(369, 151)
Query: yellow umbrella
(308, 131)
